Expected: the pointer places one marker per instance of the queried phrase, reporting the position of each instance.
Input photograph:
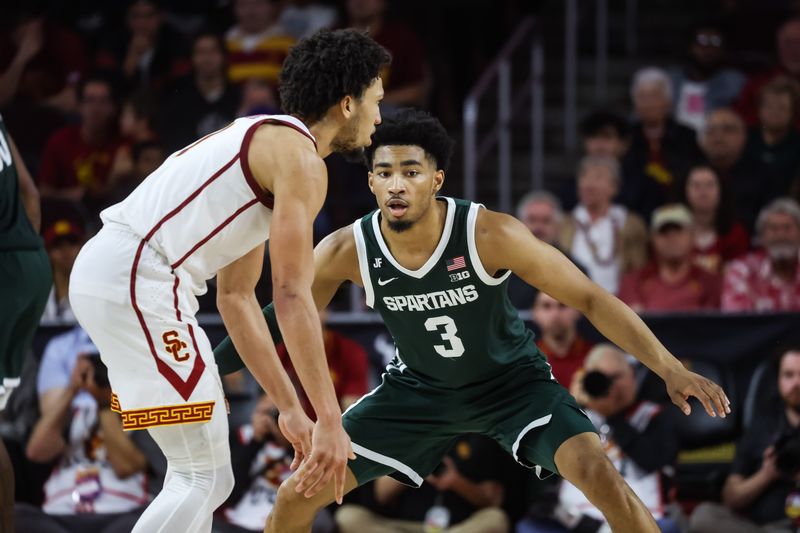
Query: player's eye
(384, 174)
(412, 173)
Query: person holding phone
(99, 481)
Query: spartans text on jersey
(432, 300)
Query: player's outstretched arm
(503, 242)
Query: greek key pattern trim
(168, 415)
(115, 403)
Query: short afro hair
(412, 127)
(324, 68)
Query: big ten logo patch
(458, 276)
(174, 345)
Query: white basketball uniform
(134, 285)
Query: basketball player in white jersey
(207, 211)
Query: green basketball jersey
(452, 322)
(16, 231)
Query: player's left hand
(681, 384)
(298, 429)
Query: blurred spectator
(671, 282)
(77, 159)
(258, 98)
(40, 65)
(788, 46)
(718, 236)
(63, 241)
(541, 212)
(149, 54)
(147, 157)
(464, 494)
(347, 363)
(755, 495)
(775, 143)
(201, 102)
(723, 143)
(302, 18)
(99, 482)
(558, 337)
(605, 134)
(257, 44)
(260, 457)
(405, 81)
(136, 125)
(638, 437)
(704, 83)
(606, 238)
(662, 151)
(768, 280)
(40, 61)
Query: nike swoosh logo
(382, 282)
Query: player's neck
(324, 132)
(422, 238)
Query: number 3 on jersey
(456, 347)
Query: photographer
(638, 438)
(765, 470)
(260, 458)
(99, 481)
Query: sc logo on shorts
(174, 345)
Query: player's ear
(346, 105)
(369, 181)
(438, 180)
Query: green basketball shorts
(25, 281)
(404, 426)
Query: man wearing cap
(671, 282)
(63, 241)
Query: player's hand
(298, 429)
(681, 384)
(330, 450)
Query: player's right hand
(298, 430)
(330, 450)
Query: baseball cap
(676, 214)
(62, 229)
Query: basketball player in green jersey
(435, 269)
(25, 280)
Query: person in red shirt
(77, 158)
(348, 365)
(559, 339)
(788, 45)
(672, 282)
(718, 237)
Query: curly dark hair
(327, 66)
(413, 127)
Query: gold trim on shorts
(168, 415)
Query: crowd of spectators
(688, 204)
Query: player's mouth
(397, 207)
